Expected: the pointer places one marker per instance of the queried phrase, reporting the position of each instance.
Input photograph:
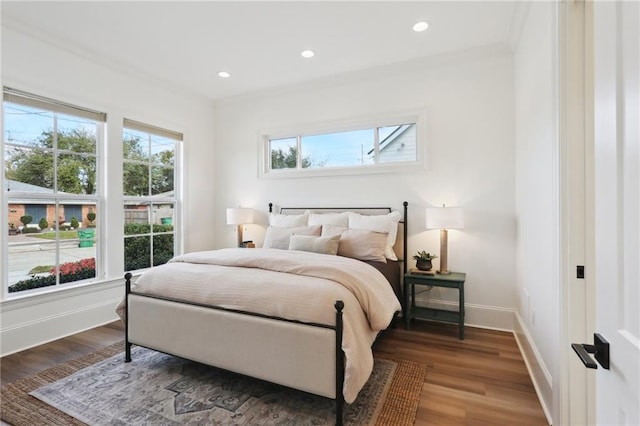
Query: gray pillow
(322, 245)
(279, 237)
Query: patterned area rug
(100, 389)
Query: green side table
(453, 280)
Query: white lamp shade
(445, 218)
(239, 216)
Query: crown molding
(83, 52)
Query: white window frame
(25, 98)
(297, 131)
(178, 138)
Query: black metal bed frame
(339, 306)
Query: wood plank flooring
(481, 380)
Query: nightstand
(453, 280)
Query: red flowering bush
(76, 271)
(69, 272)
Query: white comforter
(289, 284)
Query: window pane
(397, 143)
(137, 252)
(135, 179)
(162, 248)
(24, 125)
(161, 180)
(77, 174)
(342, 149)
(163, 215)
(76, 134)
(29, 170)
(30, 263)
(162, 150)
(284, 153)
(136, 146)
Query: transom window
(363, 148)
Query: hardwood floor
(481, 380)
(30, 361)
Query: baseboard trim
(46, 329)
(538, 371)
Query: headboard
(401, 240)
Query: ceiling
(185, 44)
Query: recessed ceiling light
(420, 26)
(307, 53)
(224, 74)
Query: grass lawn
(64, 235)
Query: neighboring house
(42, 209)
(399, 145)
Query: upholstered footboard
(294, 354)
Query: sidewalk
(27, 252)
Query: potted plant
(423, 260)
(12, 229)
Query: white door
(617, 207)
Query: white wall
(32, 63)
(468, 99)
(537, 200)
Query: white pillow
(337, 219)
(323, 245)
(379, 223)
(359, 244)
(279, 237)
(288, 220)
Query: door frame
(575, 397)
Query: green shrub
(43, 224)
(26, 219)
(33, 282)
(74, 223)
(30, 230)
(137, 250)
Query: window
(357, 148)
(149, 188)
(50, 163)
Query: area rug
(100, 389)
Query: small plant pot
(424, 265)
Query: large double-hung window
(56, 185)
(150, 194)
(52, 192)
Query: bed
(300, 316)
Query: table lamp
(239, 216)
(444, 218)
